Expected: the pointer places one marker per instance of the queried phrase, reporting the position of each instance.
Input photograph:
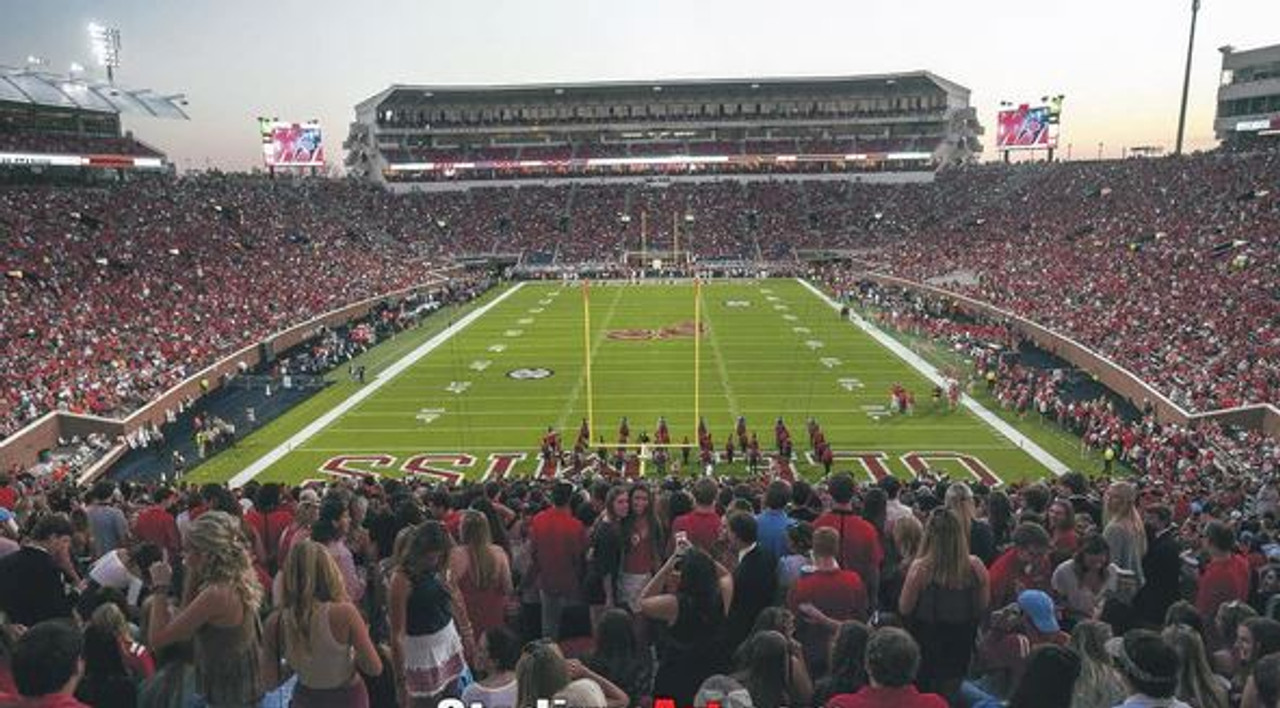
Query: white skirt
(433, 661)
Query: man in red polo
(860, 549)
(838, 594)
(702, 525)
(559, 545)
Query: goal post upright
(697, 353)
(586, 356)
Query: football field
(475, 400)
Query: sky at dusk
(1118, 62)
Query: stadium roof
(410, 92)
(39, 88)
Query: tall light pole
(1186, 77)
(105, 42)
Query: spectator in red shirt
(892, 661)
(838, 594)
(440, 506)
(860, 548)
(558, 543)
(156, 523)
(1225, 577)
(270, 520)
(8, 495)
(702, 525)
(1026, 566)
(1013, 632)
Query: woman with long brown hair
(944, 596)
(430, 635)
(604, 557)
(1100, 685)
(644, 546)
(320, 632)
(483, 573)
(219, 611)
(1198, 686)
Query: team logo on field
(681, 330)
(530, 374)
(737, 303)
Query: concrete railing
(1262, 416)
(23, 448)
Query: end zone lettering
(451, 467)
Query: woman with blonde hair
(944, 596)
(1124, 532)
(1198, 686)
(320, 633)
(219, 611)
(303, 519)
(483, 573)
(543, 672)
(959, 499)
(1100, 685)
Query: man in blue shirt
(772, 523)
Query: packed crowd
(610, 591)
(111, 295)
(1165, 266)
(70, 144)
(1169, 453)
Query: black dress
(604, 560)
(688, 653)
(945, 624)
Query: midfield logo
(677, 331)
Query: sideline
(297, 439)
(1021, 441)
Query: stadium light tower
(1186, 78)
(105, 42)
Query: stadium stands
(1167, 266)
(66, 144)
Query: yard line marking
(1028, 445)
(297, 439)
(729, 397)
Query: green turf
(758, 360)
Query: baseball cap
(309, 496)
(1038, 606)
